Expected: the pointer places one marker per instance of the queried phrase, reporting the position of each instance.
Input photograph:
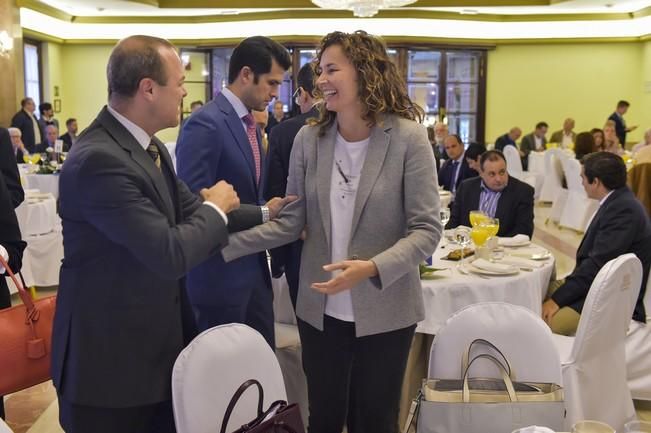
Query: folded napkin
(534, 429)
(528, 253)
(493, 267)
(514, 240)
(521, 262)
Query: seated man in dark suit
(70, 137)
(509, 138)
(455, 169)
(619, 226)
(496, 194)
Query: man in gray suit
(131, 232)
(535, 141)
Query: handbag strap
(24, 295)
(236, 397)
(413, 411)
(505, 377)
(466, 356)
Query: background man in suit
(51, 136)
(509, 138)
(455, 169)
(440, 134)
(620, 124)
(288, 258)
(17, 144)
(535, 141)
(221, 142)
(620, 226)
(46, 115)
(11, 249)
(9, 169)
(566, 136)
(131, 232)
(70, 137)
(32, 131)
(498, 195)
(276, 117)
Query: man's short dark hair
(475, 150)
(457, 139)
(491, 155)
(45, 106)
(134, 59)
(305, 78)
(607, 167)
(69, 121)
(24, 101)
(542, 125)
(257, 53)
(623, 103)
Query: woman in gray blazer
(365, 180)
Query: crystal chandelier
(362, 8)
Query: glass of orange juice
(476, 217)
(479, 235)
(492, 225)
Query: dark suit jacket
(514, 208)
(23, 121)
(504, 140)
(528, 144)
(620, 128)
(10, 238)
(131, 233)
(465, 172)
(9, 169)
(212, 147)
(272, 123)
(67, 141)
(620, 226)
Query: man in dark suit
(221, 142)
(620, 124)
(9, 169)
(533, 142)
(509, 138)
(33, 132)
(287, 258)
(11, 249)
(619, 226)
(70, 137)
(455, 169)
(498, 195)
(131, 232)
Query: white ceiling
(126, 8)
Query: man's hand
(222, 195)
(354, 271)
(549, 308)
(276, 204)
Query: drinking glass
(637, 427)
(462, 237)
(492, 225)
(445, 216)
(476, 217)
(479, 235)
(592, 427)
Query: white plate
(517, 245)
(477, 270)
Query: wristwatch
(265, 213)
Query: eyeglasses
(296, 95)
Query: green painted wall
(530, 83)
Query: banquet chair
(638, 352)
(579, 208)
(212, 367)
(288, 346)
(522, 336)
(553, 182)
(514, 167)
(594, 361)
(639, 180)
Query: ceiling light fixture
(362, 8)
(6, 43)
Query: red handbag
(25, 340)
(279, 418)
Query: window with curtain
(32, 72)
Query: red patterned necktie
(253, 140)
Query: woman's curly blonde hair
(381, 88)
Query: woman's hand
(353, 271)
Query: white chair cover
(521, 335)
(209, 371)
(553, 182)
(578, 209)
(4, 428)
(638, 352)
(559, 204)
(514, 167)
(593, 362)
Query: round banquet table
(37, 215)
(43, 182)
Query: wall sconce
(6, 43)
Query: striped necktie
(253, 140)
(152, 151)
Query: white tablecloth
(450, 291)
(41, 260)
(43, 182)
(37, 215)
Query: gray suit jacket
(528, 143)
(395, 223)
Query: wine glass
(479, 234)
(592, 427)
(637, 427)
(492, 225)
(462, 237)
(476, 217)
(445, 215)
